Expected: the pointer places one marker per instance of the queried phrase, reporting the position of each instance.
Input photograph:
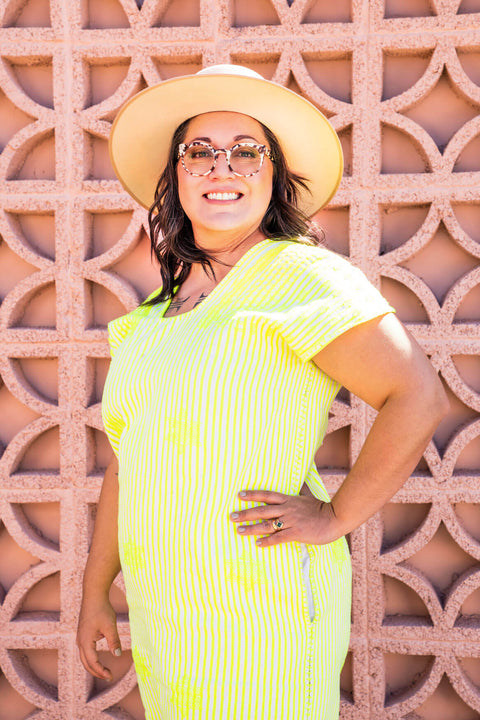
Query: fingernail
(242, 493)
(118, 652)
(241, 529)
(258, 542)
(234, 516)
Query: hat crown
(228, 69)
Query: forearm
(392, 449)
(103, 562)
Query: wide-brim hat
(143, 129)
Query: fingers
(260, 528)
(276, 538)
(305, 518)
(260, 511)
(93, 626)
(266, 496)
(265, 513)
(113, 640)
(90, 661)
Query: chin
(225, 224)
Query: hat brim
(141, 134)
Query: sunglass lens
(198, 159)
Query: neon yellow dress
(198, 407)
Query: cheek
(264, 191)
(184, 190)
(180, 181)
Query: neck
(229, 249)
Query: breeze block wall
(400, 80)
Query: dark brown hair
(171, 233)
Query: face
(213, 216)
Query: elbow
(438, 402)
(425, 394)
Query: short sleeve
(118, 331)
(120, 328)
(331, 296)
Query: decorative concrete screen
(400, 80)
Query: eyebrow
(235, 139)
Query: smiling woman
(217, 400)
(221, 200)
(268, 188)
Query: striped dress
(198, 407)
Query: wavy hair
(171, 233)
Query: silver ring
(278, 524)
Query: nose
(221, 168)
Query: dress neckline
(251, 252)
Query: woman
(235, 563)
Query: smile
(223, 196)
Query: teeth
(223, 196)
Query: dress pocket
(305, 570)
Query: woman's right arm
(97, 616)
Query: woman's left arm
(381, 363)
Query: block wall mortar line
(70, 571)
(362, 133)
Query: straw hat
(142, 132)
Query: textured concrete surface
(400, 80)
